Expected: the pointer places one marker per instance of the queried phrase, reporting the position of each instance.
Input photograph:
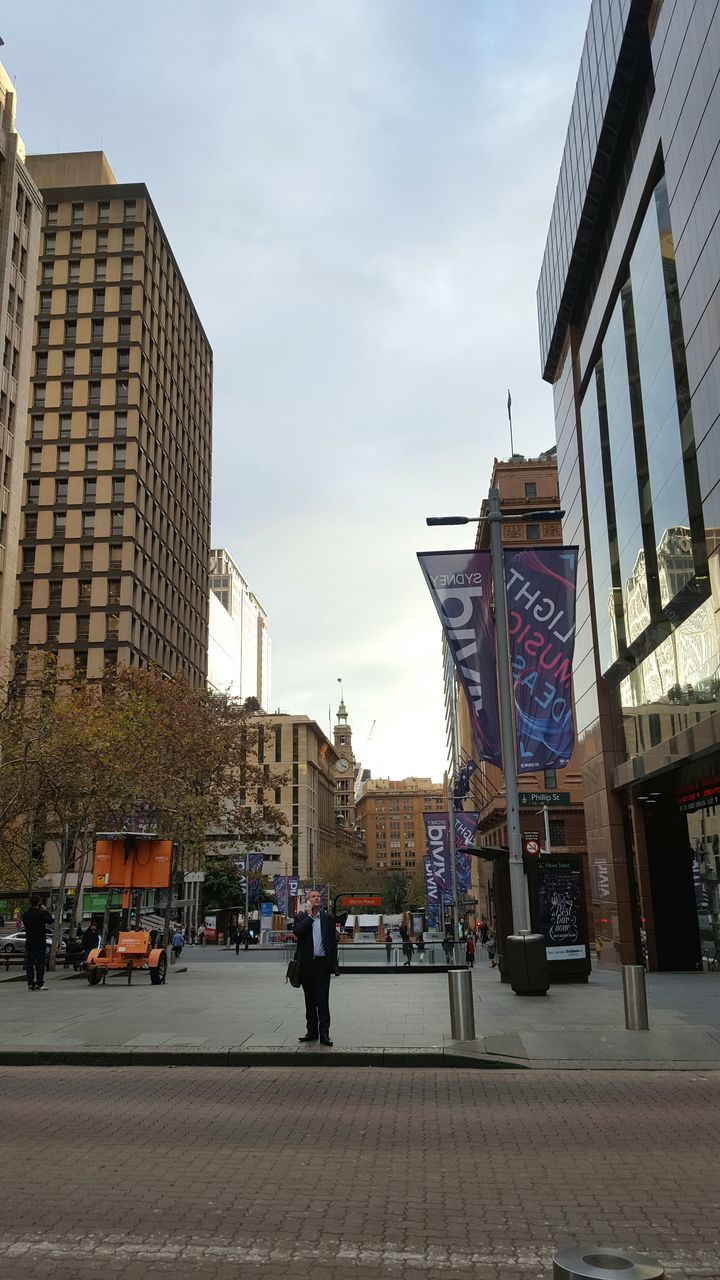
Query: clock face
(342, 766)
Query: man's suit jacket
(303, 930)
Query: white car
(16, 942)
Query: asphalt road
(126, 1174)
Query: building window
(64, 425)
(53, 627)
(59, 523)
(88, 523)
(39, 395)
(84, 590)
(55, 594)
(113, 591)
(123, 329)
(63, 458)
(40, 363)
(71, 301)
(123, 360)
(116, 523)
(118, 489)
(104, 211)
(28, 559)
(531, 489)
(26, 590)
(96, 330)
(125, 299)
(74, 270)
(61, 490)
(128, 240)
(94, 392)
(47, 273)
(121, 391)
(66, 393)
(75, 242)
(115, 555)
(82, 627)
(557, 832)
(91, 457)
(96, 361)
(68, 364)
(45, 303)
(86, 557)
(93, 424)
(101, 242)
(126, 269)
(550, 778)
(89, 489)
(31, 524)
(51, 211)
(80, 661)
(113, 624)
(35, 459)
(100, 269)
(77, 215)
(70, 331)
(120, 424)
(50, 245)
(119, 457)
(43, 331)
(128, 210)
(98, 300)
(57, 557)
(532, 532)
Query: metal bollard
(462, 1014)
(604, 1264)
(636, 1011)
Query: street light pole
(507, 723)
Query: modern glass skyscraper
(628, 313)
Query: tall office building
(390, 814)
(20, 205)
(239, 656)
(628, 311)
(116, 515)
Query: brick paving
(267, 1172)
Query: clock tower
(344, 769)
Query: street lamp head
(451, 519)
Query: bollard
(636, 1012)
(462, 1014)
(604, 1264)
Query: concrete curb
(90, 1056)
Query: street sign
(531, 844)
(536, 799)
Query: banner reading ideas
(541, 621)
(460, 585)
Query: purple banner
(284, 886)
(463, 871)
(465, 828)
(460, 584)
(431, 892)
(541, 621)
(437, 835)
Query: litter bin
(527, 963)
(604, 1264)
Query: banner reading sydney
(460, 585)
(541, 621)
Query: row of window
(122, 388)
(71, 300)
(92, 425)
(97, 331)
(55, 589)
(77, 213)
(62, 461)
(82, 627)
(95, 362)
(101, 242)
(47, 271)
(89, 491)
(87, 530)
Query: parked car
(16, 942)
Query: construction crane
(372, 730)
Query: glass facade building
(630, 339)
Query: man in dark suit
(317, 945)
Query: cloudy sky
(358, 194)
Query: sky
(358, 194)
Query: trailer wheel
(159, 972)
(94, 977)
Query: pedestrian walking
(491, 948)
(598, 948)
(246, 939)
(407, 952)
(420, 947)
(483, 932)
(178, 941)
(201, 935)
(237, 939)
(193, 935)
(388, 945)
(470, 951)
(153, 939)
(34, 922)
(402, 930)
(314, 930)
(447, 946)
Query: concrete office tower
(20, 205)
(628, 312)
(239, 655)
(390, 813)
(116, 514)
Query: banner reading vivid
(285, 886)
(437, 835)
(431, 892)
(460, 585)
(541, 621)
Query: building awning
(368, 922)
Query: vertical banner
(465, 828)
(463, 872)
(541, 622)
(255, 863)
(461, 782)
(460, 584)
(431, 892)
(280, 887)
(437, 836)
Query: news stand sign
(557, 898)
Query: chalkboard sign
(561, 918)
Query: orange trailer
(129, 862)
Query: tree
(221, 888)
(346, 874)
(396, 892)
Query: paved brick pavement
(269, 1173)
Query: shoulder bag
(294, 971)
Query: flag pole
(509, 409)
